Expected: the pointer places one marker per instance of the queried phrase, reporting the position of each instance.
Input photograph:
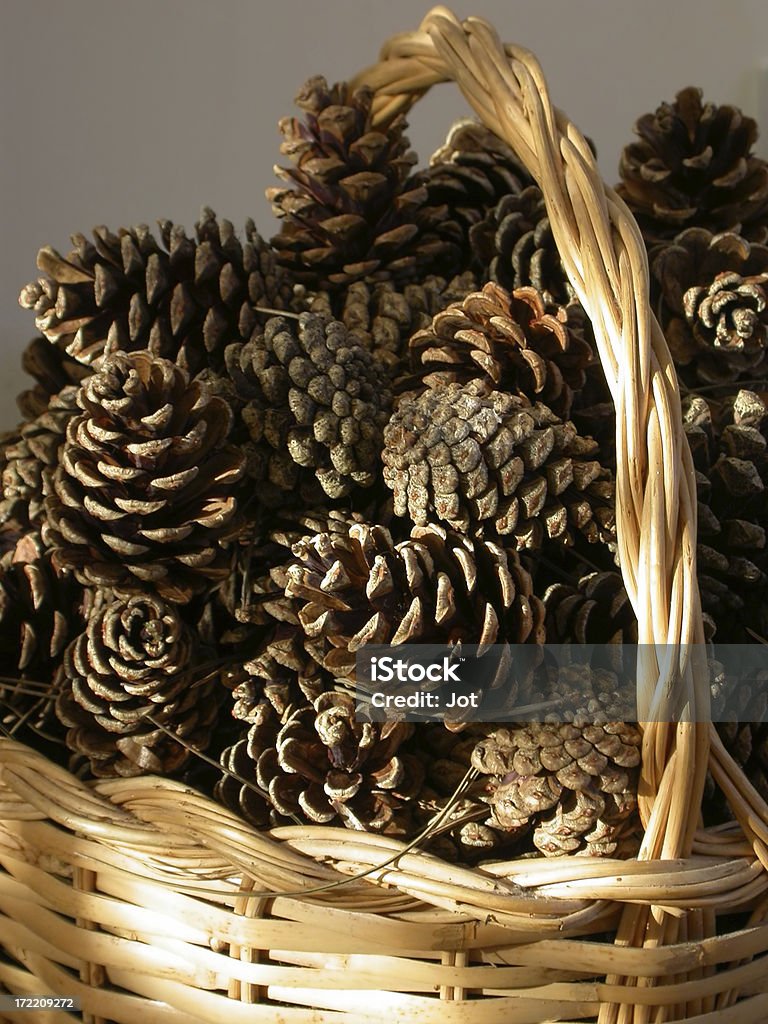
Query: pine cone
(515, 245)
(31, 459)
(520, 342)
(53, 370)
(39, 608)
(184, 299)
(382, 318)
(694, 165)
(315, 404)
(482, 460)
(711, 292)
(467, 177)
(575, 783)
(318, 763)
(352, 211)
(595, 611)
(136, 658)
(729, 443)
(436, 588)
(144, 495)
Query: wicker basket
(148, 902)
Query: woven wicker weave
(151, 903)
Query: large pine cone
(315, 762)
(183, 299)
(144, 495)
(383, 317)
(576, 783)
(481, 460)
(729, 443)
(522, 343)
(694, 165)
(314, 402)
(31, 458)
(136, 658)
(711, 293)
(515, 245)
(351, 209)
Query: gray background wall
(120, 113)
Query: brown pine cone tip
(711, 292)
(136, 658)
(30, 458)
(515, 246)
(693, 164)
(522, 343)
(314, 402)
(575, 783)
(351, 209)
(467, 176)
(436, 588)
(40, 607)
(382, 317)
(480, 460)
(181, 298)
(729, 443)
(144, 495)
(316, 762)
(53, 370)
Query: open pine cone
(183, 299)
(144, 496)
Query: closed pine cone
(575, 783)
(481, 460)
(712, 299)
(136, 658)
(521, 342)
(144, 494)
(693, 164)
(351, 209)
(515, 245)
(314, 402)
(181, 298)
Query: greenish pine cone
(694, 165)
(351, 208)
(711, 295)
(483, 461)
(520, 342)
(31, 457)
(314, 403)
(515, 245)
(574, 783)
(136, 658)
(181, 298)
(144, 496)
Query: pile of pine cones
(242, 461)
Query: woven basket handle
(604, 256)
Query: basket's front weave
(147, 901)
